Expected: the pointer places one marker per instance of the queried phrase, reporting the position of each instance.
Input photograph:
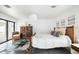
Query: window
(2, 31)
(6, 29)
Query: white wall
(65, 15)
(43, 25)
(77, 22)
(7, 17)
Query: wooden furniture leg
(30, 47)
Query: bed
(48, 41)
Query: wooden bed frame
(70, 31)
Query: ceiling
(42, 11)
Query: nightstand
(75, 48)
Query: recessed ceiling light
(7, 6)
(53, 6)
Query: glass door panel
(10, 30)
(2, 31)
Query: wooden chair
(16, 36)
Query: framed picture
(71, 20)
(63, 22)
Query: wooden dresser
(26, 31)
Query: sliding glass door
(2, 31)
(10, 30)
(6, 29)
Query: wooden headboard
(70, 31)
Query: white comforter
(46, 41)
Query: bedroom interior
(39, 29)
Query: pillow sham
(61, 30)
(52, 32)
(56, 33)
